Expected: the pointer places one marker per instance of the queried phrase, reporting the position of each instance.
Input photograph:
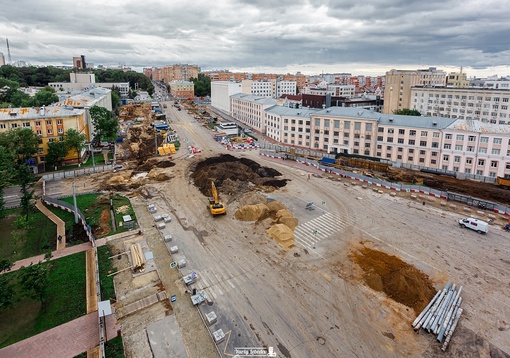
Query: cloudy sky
(312, 36)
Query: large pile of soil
(400, 281)
(237, 172)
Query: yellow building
(50, 123)
(175, 73)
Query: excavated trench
(234, 175)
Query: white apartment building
(83, 81)
(486, 105)
(249, 109)
(221, 92)
(502, 83)
(289, 125)
(474, 147)
(269, 88)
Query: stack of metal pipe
(441, 314)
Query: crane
(215, 205)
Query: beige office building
(397, 93)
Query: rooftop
(292, 112)
(479, 127)
(253, 98)
(37, 112)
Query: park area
(52, 292)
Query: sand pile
(282, 234)
(282, 224)
(252, 212)
(116, 180)
(400, 281)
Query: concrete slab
(165, 338)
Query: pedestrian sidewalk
(57, 254)
(61, 225)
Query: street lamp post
(91, 149)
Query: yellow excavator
(215, 205)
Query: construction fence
(409, 188)
(77, 172)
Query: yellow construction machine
(215, 205)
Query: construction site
(303, 261)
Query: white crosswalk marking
(312, 232)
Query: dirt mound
(227, 169)
(252, 212)
(156, 174)
(275, 206)
(150, 164)
(400, 281)
(282, 234)
(285, 217)
(251, 198)
(116, 180)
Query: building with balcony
(397, 92)
(171, 73)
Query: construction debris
(441, 314)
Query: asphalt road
(12, 196)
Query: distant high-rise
(79, 62)
(2, 59)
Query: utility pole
(75, 206)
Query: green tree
(34, 280)
(56, 152)
(6, 171)
(202, 85)
(6, 292)
(26, 183)
(45, 97)
(75, 141)
(5, 265)
(21, 142)
(106, 127)
(7, 89)
(21, 99)
(407, 112)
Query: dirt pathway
(61, 226)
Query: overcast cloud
(311, 36)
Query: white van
(475, 224)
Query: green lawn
(106, 268)
(38, 238)
(74, 234)
(65, 301)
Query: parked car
(475, 224)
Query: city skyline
(258, 36)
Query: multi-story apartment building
(486, 105)
(147, 71)
(50, 123)
(182, 89)
(175, 73)
(225, 76)
(79, 62)
(221, 92)
(2, 59)
(249, 109)
(490, 83)
(397, 92)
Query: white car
(475, 224)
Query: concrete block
(443, 203)
(421, 197)
(413, 196)
(393, 194)
(167, 238)
(364, 186)
(181, 263)
(219, 336)
(359, 198)
(375, 190)
(481, 213)
(380, 191)
(158, 218)
(431, 198)
(211, 318)
(161, 226)
(166, 218)
(465, 208)
(153, 210)
(453, 206)
(492, 216)
(174, 249)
